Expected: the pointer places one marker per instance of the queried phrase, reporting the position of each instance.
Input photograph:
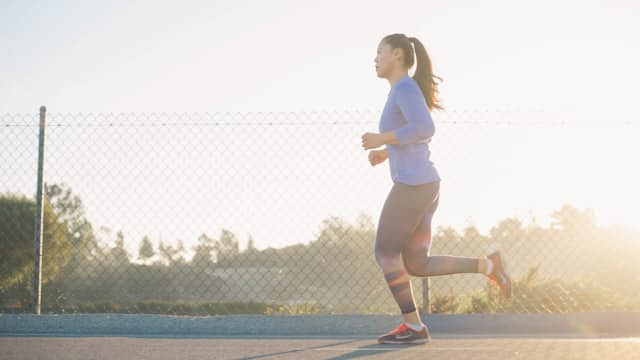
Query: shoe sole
(412, 342)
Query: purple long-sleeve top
(407, 114)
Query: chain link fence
(276, 213)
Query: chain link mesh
(276, 213)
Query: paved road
(120, 337)
(88, 348)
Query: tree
(118, 254)
(145, 250)
(251, 247)
(333, 231)
(70, 210)
(204, 251)
(227, 247)
(508, 230)
(446, 235)
(17, 218)
(471, 234)
(172, 255)
(570, 219)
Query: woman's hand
(377, 156)
(372, 141)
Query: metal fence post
(426, 304)
(39, 224)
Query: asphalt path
(483, 336)
(87, 348)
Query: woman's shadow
(362, 351)
(371, 349)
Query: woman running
(403, 236)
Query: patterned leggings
(403, 241)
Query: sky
(196, 56)
(546, 60)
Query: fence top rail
(366, 117)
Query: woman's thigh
(403, 214)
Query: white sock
(415, 327)
(489, 267)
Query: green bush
(17, 224)
(533, 294)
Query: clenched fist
(377, 156)
(372, 141)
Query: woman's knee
(388, 247)
(412, 264)
(417, 264)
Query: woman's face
(384, 60)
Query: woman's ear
(397, 54)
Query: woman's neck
(397, 75)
